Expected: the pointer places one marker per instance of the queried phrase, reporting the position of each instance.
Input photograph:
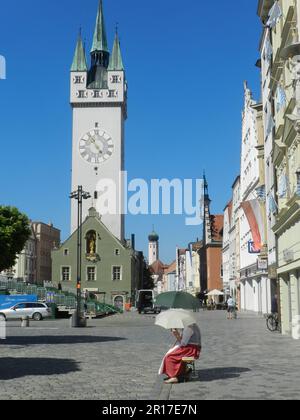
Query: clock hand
(94, 142)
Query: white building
(234, 239)
(192, 269)
(169, 278)
(255, 285)
(25, 267)
(153, 247)
(99, 104)
(226, 262)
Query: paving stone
(118, 358)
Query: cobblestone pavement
(118, 358)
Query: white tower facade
(153, 247)
(99, 103)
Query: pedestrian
(231, 307)
(188, 344)
(59, 287)
(85, 309)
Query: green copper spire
(79, 61)
(100, 39)
(116, 62)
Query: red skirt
(172, 364)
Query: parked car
(145, 302)
(33, 310)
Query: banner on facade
(253, 213)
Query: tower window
(78, 80)
(97, 94)
(81, 94)
(112, 94)
(117, 252)
(95, 195)
(66, 252)
(115, 79)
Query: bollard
(2, 328)
(25, 322)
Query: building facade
(110, 269)
(211, 276)
(282, 19)
(47, 239)
(99, 104)
(234, 237)
(227, 248)
(25, 268)
(255, 288)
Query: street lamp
(79, 195)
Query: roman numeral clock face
(96, 146)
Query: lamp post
(79, 195)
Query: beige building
(282, 18)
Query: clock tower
(99, 104)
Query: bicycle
(273, 323)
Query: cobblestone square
(118, 358)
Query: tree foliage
(148, 282)
(14, 233)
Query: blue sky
(185, 64)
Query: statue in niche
(91, 243)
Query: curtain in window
(283, 186)
(274, 15)
(268, 50)
(272, 204)
(280, 98)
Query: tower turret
(153, 247)
(97, 77)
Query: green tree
(14, 233)
(148, 282)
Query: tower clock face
(96, 146)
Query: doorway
(119, 302)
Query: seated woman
(188, 344)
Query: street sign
(252, 249)
(262, 264)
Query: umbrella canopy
(180, 300)
(175, 319)
(215, 293)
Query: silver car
(34, 310)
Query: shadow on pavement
(13, 368)
(217, 374)
(58, 339)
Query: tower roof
(116, 62)
(153, 237)
(100, 39)
(79, 60)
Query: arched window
(91, 242)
